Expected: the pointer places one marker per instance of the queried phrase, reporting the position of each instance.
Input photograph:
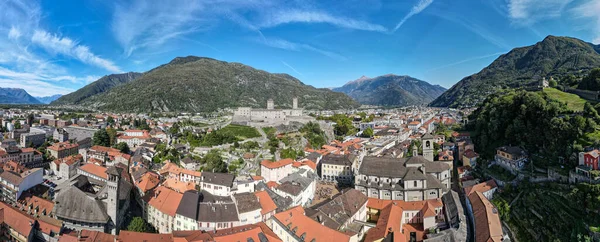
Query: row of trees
(313, 133)
(108, 138)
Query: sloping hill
(197, 84)
(554, 56)
(16, 96)
(391, 90)
(100, 86)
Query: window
(415, 183)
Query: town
(297, 175)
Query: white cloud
(287, 45)
(301, 16)
(14, 33)
(467, 60)
(144, 23)
(527, 12)
(291, 67)
(418, 8)
(590, 10)
(68, 47)
(36, 88)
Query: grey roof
(433, 182)
(11, 178)
(337, 211)
(314, 156)
(217, 212)
(187, 207)
(513, 150)
(113, 170)
(74, 204)
(246, 202)
(295, 183)
(333, 159)
(427, 136)
(417, 160)
(413, 173)
(436, 167)
(188, 160)
(222, 179)
(380, 166)
(138, 172)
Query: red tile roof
(296, 220)
(481, 187)
(276, 164)
(266, 203)
(166, 200)
(95, 170)
(131, 236)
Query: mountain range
(391, 90)
(552, 57)
(16, 96)
(198, 84)
(48, 99)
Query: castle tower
(295, 103)
(428, 147)
(112, 197)
(270, 104)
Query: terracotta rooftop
(148, 181)
(166, 200)
(266, 203)
(297, 222)
(276, 164)
(487, 220)
(481, 187)
(95, 170)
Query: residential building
(487, 188)
(162, 207)
(16, 225)
(470, 158)
(32, 139)
(511, 157)
(412, 179)
(63, 149)
(340, 211)
(589, 159)
(275, 170)
(248, 207)
(16, 179)
(485, 217)
(61, 135)
(66, 167)
(218, 184)
(204, 211)
(294, 225)
(299, 186)
(133, 138)
(29, 157)
(338, 168)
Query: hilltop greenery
(542, 125)
(563, 58)
(196, 84)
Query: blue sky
(56, 47)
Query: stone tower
(428, 147)
(295, 103)
(112, 197)
(270, 104)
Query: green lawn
(269, 130)
(573, 101)
(240, 131)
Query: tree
(213, 162)
(17, 124)
(367, 133)
(552, 83)
(591, 81)
(289, 153)
(138, 224)
(101, 138)
(112, 135)
(110, 120)
(123, 147)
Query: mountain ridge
(391, 90)
(523, 66)
(99, 86)
(16, 96)
(200, 84)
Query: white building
(268, 115)
(218, 184)
(275, 170)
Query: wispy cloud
(69, 47)
(526, 12)
(590, 10)
(292, 68)
(466, 60)
(303, 16)
(418, 8)
(476, 28)
(152, 23)
(287, 45)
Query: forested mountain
(100, 86)
(197, 84)
(552, 57)
(391, 90)
(48, 99)
(16, 96)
